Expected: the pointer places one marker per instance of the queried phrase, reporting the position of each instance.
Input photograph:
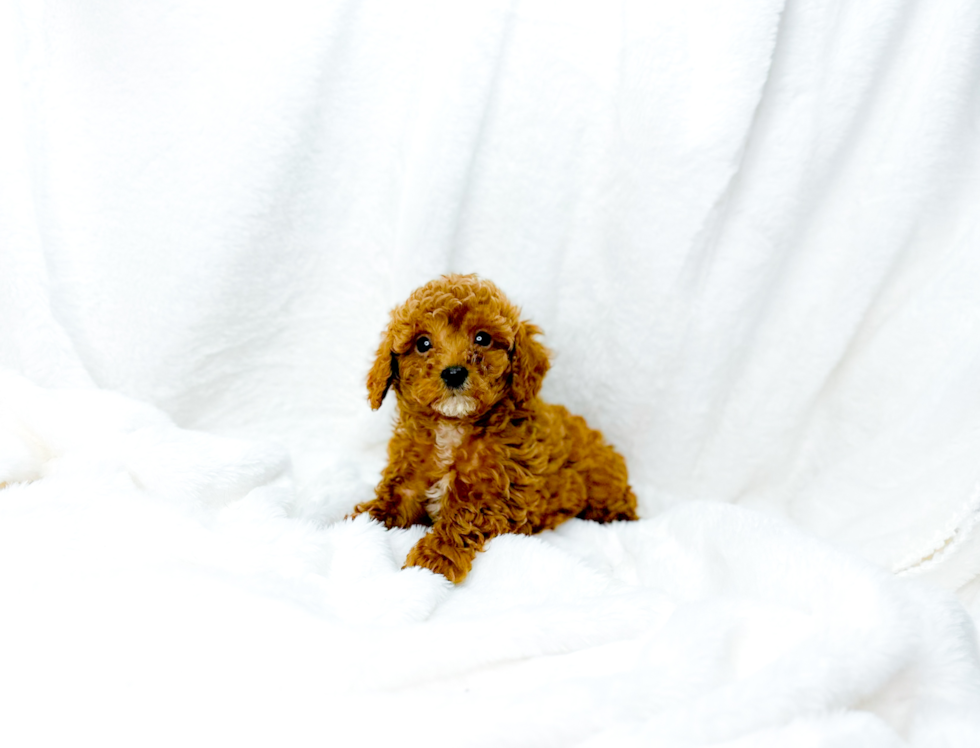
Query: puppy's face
(456, 365)
(456, 348)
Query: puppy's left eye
(482, 338)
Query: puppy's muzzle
(454, 376)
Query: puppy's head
(457, 347)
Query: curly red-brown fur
(486, 456)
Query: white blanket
(749, 231)
(162, 587)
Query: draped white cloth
(750, 233)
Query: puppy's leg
(399, 499)
(610, 497)
(397, 502)
(622, 508)
(462, 530)
(446, 552)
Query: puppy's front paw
(374, 508)
(453, 563)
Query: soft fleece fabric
(749, 230)
(165, 587)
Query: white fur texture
(437, 492)
(455, 406)
(448, 437)
(163, 586)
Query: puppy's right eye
(423, 344)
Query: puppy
(475, 452)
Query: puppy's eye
(423, 344)
(482, 338)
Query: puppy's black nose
(454, 376)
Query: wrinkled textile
(164, 587)
(748, 230)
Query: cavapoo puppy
(474, 452)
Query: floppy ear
(528, 362)
(383, 372)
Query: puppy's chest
(440, 465)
